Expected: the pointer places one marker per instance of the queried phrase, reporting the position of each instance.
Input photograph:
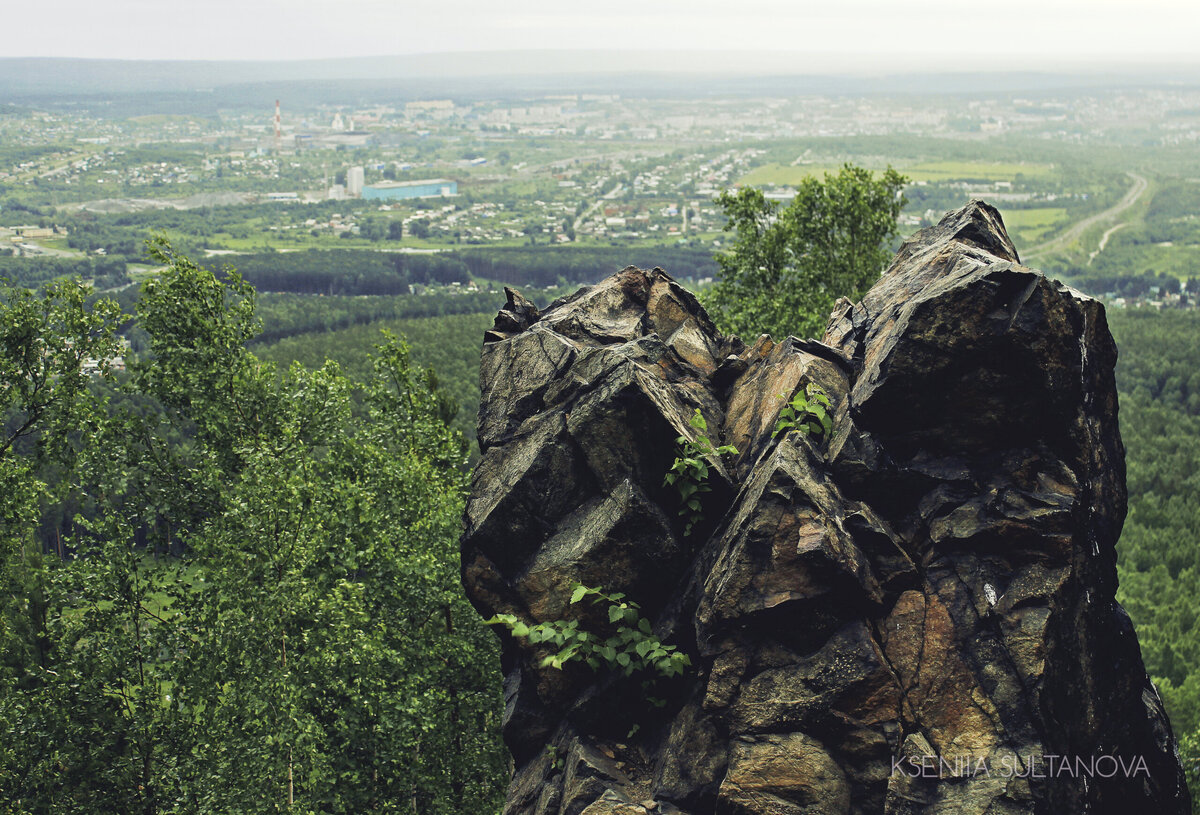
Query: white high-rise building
(354, 181)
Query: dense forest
(550, 266)
(349, 272)
(1158, 375)
(227, 586)
(364, 272)
(231, 579)
(448, 346)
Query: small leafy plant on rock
(633, 647)
(689, 473)
(808, 412)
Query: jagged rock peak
(929, 591)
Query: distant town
(593, 169)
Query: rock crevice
(916, 615)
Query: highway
(1072, 234)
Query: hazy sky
(926, 31)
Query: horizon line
(871, 62)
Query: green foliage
(198, 365)
(257, 606)
(689, 472)
(1157, 560)
(447, 344)
(788, 265)
(45, 398)
(808, 411)
(1189, 752)
(632, 646)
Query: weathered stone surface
(913, 617)
(787, 773)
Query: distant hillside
(523, 72)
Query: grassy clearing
(783, 174)
(1121, 256)
(974, 171)
(57, 243)
(140, 272)
(1030, 226)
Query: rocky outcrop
(916, 615)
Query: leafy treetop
(788, 265)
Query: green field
(297, 240)
(1123, 256)
(783, 174)
(932, 171)
(1030, 226)
(974, 171)
(161, 118)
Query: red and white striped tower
(278, 133)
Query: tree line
(31, 272)
(349, 272)
(1158, 560)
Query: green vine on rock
(633, 647)
(689, 473)
(808, 412)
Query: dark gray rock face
(915, 616)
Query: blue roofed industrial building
(397, 190)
